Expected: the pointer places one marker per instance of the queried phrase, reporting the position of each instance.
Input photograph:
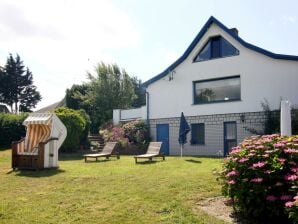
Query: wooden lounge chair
(153, 151)
(106, 152)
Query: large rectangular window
(198, 133)
(217, 90)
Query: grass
(116, 191)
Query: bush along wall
(132, 136)
(260, 177)
(11, 128)
(76, 125)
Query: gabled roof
(198, 38)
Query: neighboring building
(52, 107)
(219, 84)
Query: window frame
(192, 142)
(214, 79)
(220, 50)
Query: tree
(16, 86)
(109, 88)
(140, 92)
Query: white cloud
(169, 56)
(60, 40)
(289, 19)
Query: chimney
(235, 31)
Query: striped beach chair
(45, 134)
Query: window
(217, 90)
(216, 47)
(197, 133)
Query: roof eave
(200, 35)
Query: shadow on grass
(148, 162)
(99, 161)
(193, 161)
(37, 173)
(71, 156)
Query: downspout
(147, 110)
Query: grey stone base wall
(214, 131)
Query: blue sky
(61, 40)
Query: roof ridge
(204, 29)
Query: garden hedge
(11, 128)
(77, 125)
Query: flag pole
(181, 149)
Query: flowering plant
(136, 131)
(260, 177)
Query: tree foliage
(77, 125)
(109, 88)
(16, 86)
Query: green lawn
(116, 191)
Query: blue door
(162, 135)
(230, 136)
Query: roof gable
(198, 38)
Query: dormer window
(216, 47)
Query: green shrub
(11, 128)
(75, 124)
(260, 177)
(84, 139)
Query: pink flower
(232, 173)
(235, 151)
(260, 147)
(289, 204)
(243, 160)
(256, 180)
(259, 164)
(231, 182)
(294, 169)
(291, 177)
(296, 198)
(279, 145)
(290, 151)
(281, 160)
(295, 139)
(250, 146)
(271, 198)
(286, 197)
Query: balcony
(129, 115)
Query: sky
(61, 40)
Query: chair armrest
(19, 141)
(48, 140)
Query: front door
(230, 136)
(162, 135)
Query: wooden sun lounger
(106, 152)
(153, 151)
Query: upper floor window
(216, 47)
(217, 90)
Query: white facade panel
(261, 78)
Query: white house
(218, 83)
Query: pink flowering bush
(260, 177)
(114, 134)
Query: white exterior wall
(261, 78)
(129, 114)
